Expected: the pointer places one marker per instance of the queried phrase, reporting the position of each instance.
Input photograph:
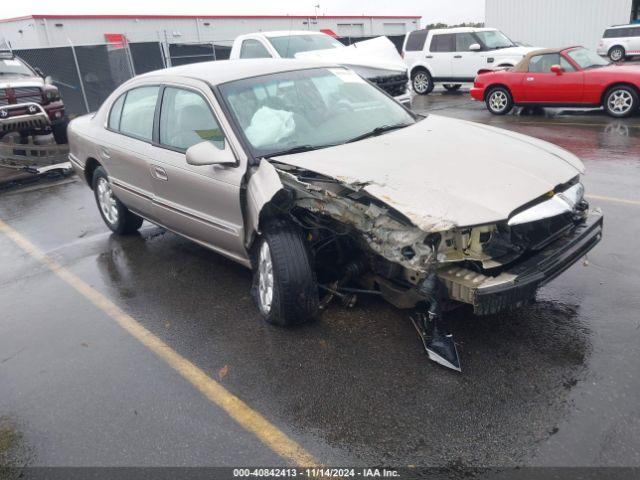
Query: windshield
(586, 58)
(13, 66)
(493, 39)
(309, 108)
(289, 45)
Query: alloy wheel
(620, 102)
(421, 82)
(265, 278)
(616, 54)
(107, 201)
(498, 101)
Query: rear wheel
(452, 87)
(284, 282)
(499, 101)
(621, 101)
(422, 82)
(117, 217)
(617, 53)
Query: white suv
(620, 41)
(453, 56)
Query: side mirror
(475, 47)
(210, 153)
(48, 80)
(557, 69)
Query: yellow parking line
(242, 413)
(613, 199)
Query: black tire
(620, 101)
(422, 82)
(452, 87)
(124, 221)
(294, 296)
(60, 133)
(499, 101)
(617, 53)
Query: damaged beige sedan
(329, 189)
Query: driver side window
(464, 41)
(543, 63)
(186, 120)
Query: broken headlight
(565, 201)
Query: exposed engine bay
(361, 245)
(343, 223)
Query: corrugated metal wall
(556, 23)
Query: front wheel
(284, 282)
(451, 87)
(616, 54)
(621, 101)
(422, 82)
(499, 101)
(117, 217)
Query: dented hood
(443, 172)
(377, 52)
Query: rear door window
(116, 112)
(138, 112)
(443, 43)
(617, 33)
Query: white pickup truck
(377, 59)
(453, 56)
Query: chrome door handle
(104, 152)
(530, 79)
(160, 173)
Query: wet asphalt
(554, 384)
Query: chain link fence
(87, 74)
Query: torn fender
(263, 185)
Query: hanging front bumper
(517, 285)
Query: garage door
(351, 29)
(394, 28)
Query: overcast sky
(446, 11)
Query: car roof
(223, 71)
(523, 65)
(463, 30)
(286, 33)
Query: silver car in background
(328, 189)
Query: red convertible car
(570, 77)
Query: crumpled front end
(362, 244)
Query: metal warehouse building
(559, 23)
(37, 31)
